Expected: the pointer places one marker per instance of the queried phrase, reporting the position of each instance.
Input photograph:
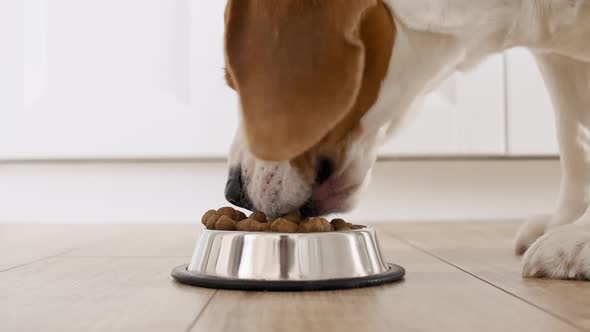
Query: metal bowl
(287, 261)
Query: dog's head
(307, 73)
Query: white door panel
(531, 127)
(110, 78)
(11, 56)
(464, 116)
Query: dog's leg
(563, 252)
(568, 81)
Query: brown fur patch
(298, 66)
(377, 32)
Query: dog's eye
(324, 169)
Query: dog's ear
(297, 66)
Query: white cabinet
(115, 79)
(144, 78)
(465, 116)
(531, 128)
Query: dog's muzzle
(234, 189)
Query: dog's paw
(529, 232)
(562, 253)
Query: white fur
(558, 32)
(437, 37)
(277, 188)
(273, 187)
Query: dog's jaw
(274, 187)
(277, 188)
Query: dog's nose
(234, 191)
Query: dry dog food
(230, 219)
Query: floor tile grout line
(554, 315)
(35, 261)
(200, 313)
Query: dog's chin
(320, 204)
(277, 189)
(321, 208)
(315, 205)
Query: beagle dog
(322, 83)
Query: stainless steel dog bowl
(287, 261)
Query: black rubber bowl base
(182, 275)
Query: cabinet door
(531, 128)
(464, 116)
(114, 79)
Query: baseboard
(178, 192)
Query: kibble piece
(258, 216)
(251, 225)
(207, 215)
(340, 225)
(229, 219)
(228, 211)
(282, 225)
(240, 215)
(338, 222)
(211, 221)
(313, 225)
(225, 223)
(294, 217)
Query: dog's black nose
(234, 190)
(309, 209)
